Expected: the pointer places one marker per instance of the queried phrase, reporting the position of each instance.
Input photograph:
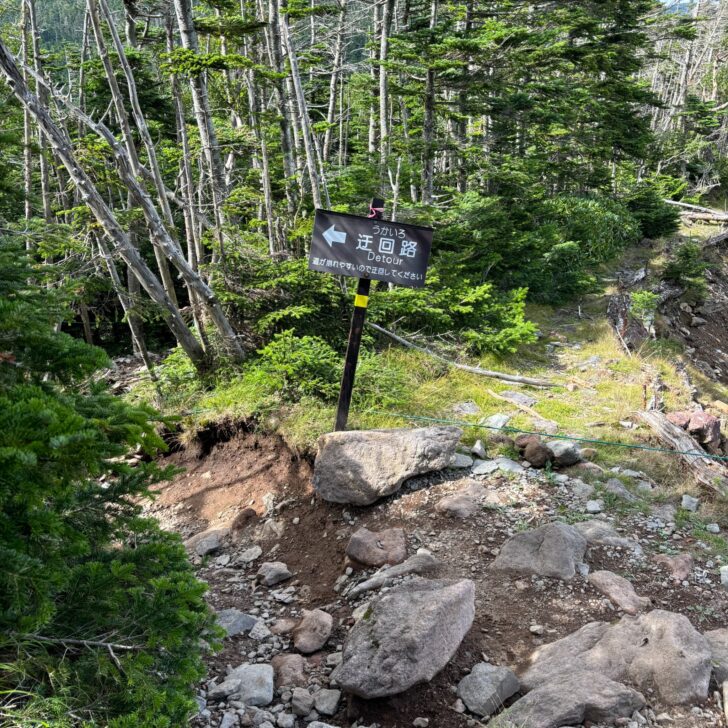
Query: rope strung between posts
(506, 428)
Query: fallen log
(707, 471)
(698, 208)
(466, 368)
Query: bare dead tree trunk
(305, 119)
(203, 115)
(333, 83)
(103, 214)
(27, 127)
(387, 9)
(42, 151)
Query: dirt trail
(226, 474)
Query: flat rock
(271, 573)
(718, 641)
(601, 533)
(207, 542)
(552, 550)
(486, 688)
(312, 631)
(619, 591)
(377, 548)
(359, 467)
(463, 504)
(461, 462)
(233, 621)
(679, 566)
(256, 684)
(565, 452)
(616, 487)
(519, 398)
(495, 422)
(466, 408)
(485, 468)
(573, 699)
(224, 690)
(406, 637)
(423, 562)
(659, 650)
(290, 670)
(689, 503)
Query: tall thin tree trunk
(387, 9)
(203, 115)
(428, 131)
(333, 83)
(305, 119)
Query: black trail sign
(366, 247)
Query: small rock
(421, 722)
(680, 566)
(256, 683)
(466, 408)
(229, 720)
(565, 452)
(286, 720)
(718, 641)
(724, 576)
(460, 461)
(206, 542)
(712, 528)
(259, 631)
(616, 487)
(479, 451)
(594, 506)
(552, 550)
(312, 631)
(271, 573)
(519, 398)
(233, 621)
(224, 690)
(485, 468)
(486, 688)
(326, 701)
(537, 454)
(301, 702)
(462, 504)
(289, 670)
(495, 422)
(689, 503)
(377, 548)
(250, 555)
(619, 591)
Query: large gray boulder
(406, 637)
(573, 699)
(718, 641)
(361, 467)
(659, 650)
(553, 550)
(487, 687)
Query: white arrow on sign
(332, 235)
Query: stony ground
(252, 500)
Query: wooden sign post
(367, 248)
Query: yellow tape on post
(361, 301)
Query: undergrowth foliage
(81, 571)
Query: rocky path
(448, 588)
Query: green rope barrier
(591, 441)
